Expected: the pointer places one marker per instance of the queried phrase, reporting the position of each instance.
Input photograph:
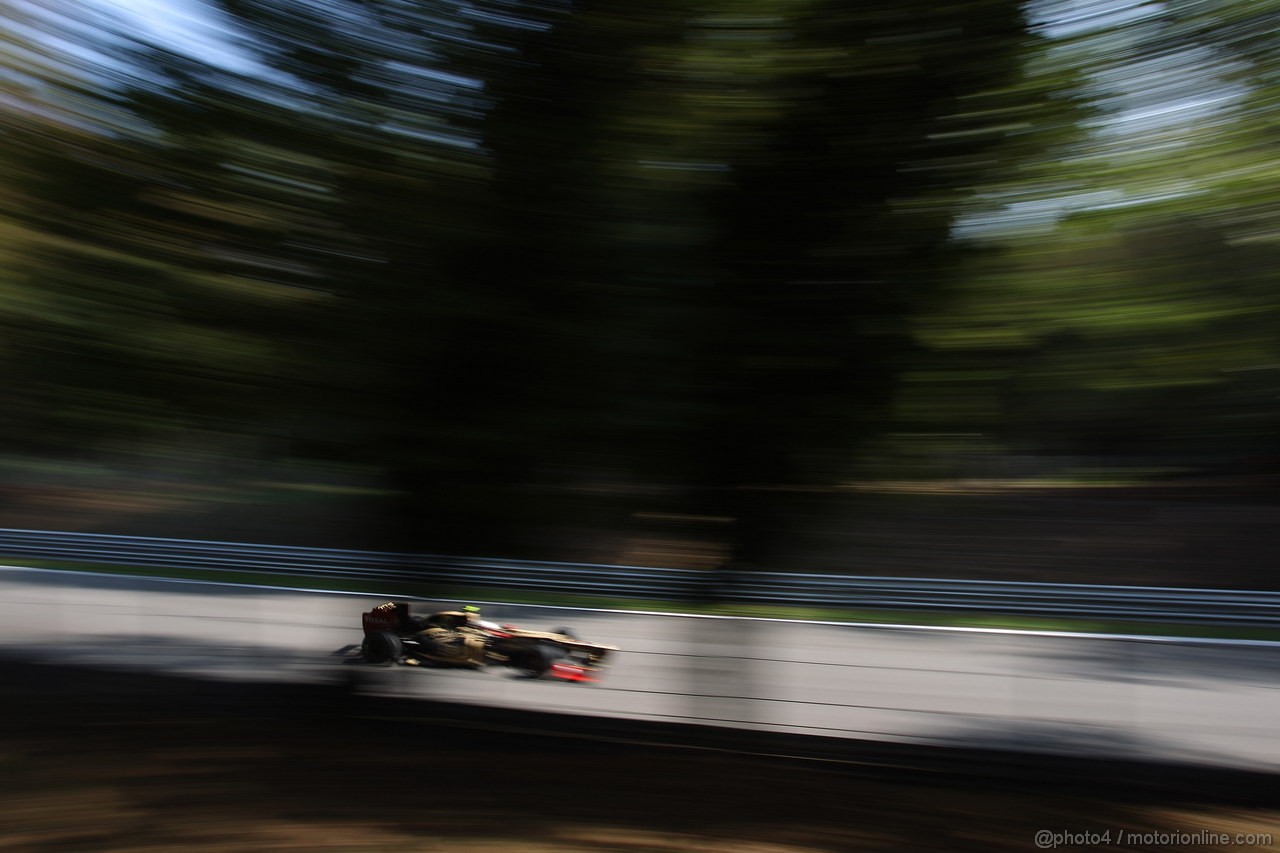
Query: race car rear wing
(391, 616)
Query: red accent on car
(570, 673)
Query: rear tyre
(381, 647)
(533, 662)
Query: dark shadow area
(167, 653)
(1070, 739)
(1155, 536)
(164, 763)
(1158, 663)
(73, 695)
(720, 674)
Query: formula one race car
(460, 638)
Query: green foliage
(1141, 316)
(500, 250)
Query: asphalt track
(1197, 703)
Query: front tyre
(382, 646)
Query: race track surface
(1110, 698)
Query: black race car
(461, 639)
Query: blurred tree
(727, 214)
(150, 294)
(836, 230)
(1138, 316)
(499, 245)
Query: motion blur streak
(561, 278)
(982, 289)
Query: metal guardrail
(1163, 604)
